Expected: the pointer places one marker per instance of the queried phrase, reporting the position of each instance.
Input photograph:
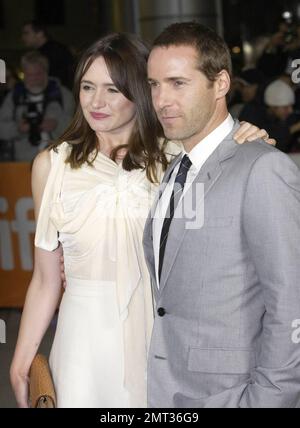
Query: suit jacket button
(161, 312)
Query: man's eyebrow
(178, 78)
(171, 79)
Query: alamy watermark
(2, 332)
(2, 323)
(2, 71)
(187, 205)
(129, 201)
(296, 73)
(296, 332)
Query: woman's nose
(98, 100)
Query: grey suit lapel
(209, 174)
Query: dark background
(77, 23)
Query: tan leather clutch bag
(41, 388)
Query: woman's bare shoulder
(42, 162)
(39, 176)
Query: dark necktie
(175, 197)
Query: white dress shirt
(198, 156)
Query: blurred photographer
(11, 80)
(279, 49)
(36, 111)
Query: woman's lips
(99, 116)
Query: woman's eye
(86, 87)
(113, 90)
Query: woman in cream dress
(105, 318)
(92, 195)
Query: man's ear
(223, 83)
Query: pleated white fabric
(99, 354)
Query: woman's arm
(42, 296)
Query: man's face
(29, 37)
(35, 77)
(183, 98)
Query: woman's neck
(107, 145)
(110, 141)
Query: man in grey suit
(226, 282)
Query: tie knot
(185, 162)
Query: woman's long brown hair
(126, 59)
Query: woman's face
(104, 107)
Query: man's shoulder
(250, 151)
(265, 160)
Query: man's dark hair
(213, 52)
(38, 27)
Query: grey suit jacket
(229, 297)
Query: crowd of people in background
(38, 108)
(266, 94)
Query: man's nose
(162, 98)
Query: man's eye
(178, 83)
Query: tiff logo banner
(23, 227)
(2, 71)
(2, 332)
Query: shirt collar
(201, 152)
